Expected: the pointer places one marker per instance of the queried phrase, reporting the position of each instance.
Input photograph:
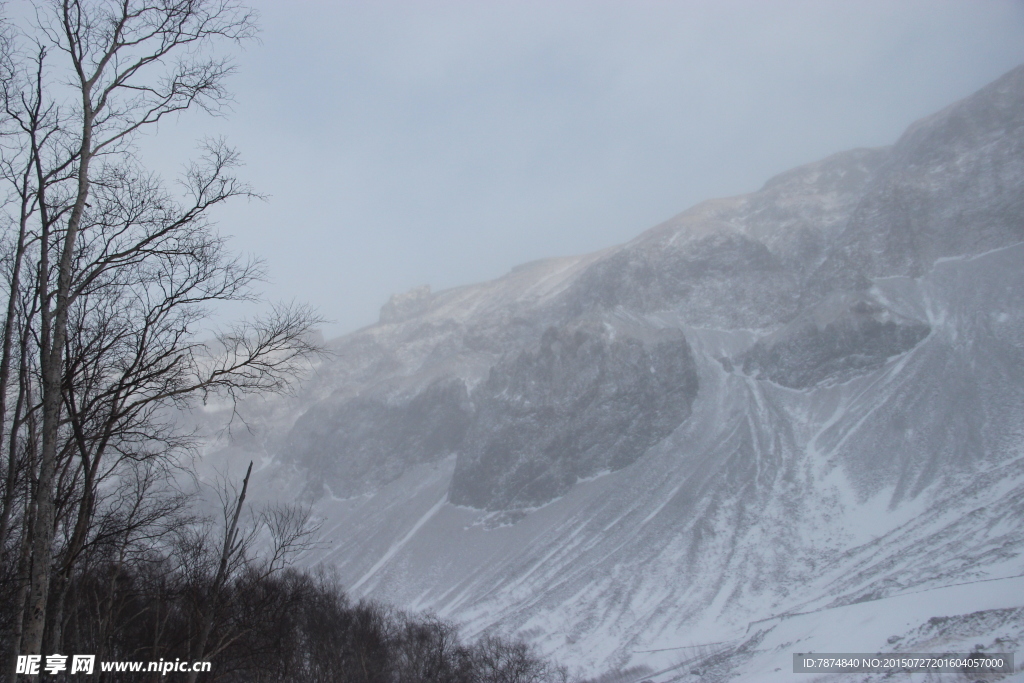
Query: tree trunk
(21, 596)
(52, 365)
(229, 549)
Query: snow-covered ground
(838, 461)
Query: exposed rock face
(737, 262)
(351, 443)
(806, 398)
(403, 306)
(950, 186)
(857, 334)
(586, 400)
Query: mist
(598, 343)
(443, 143)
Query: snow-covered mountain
(786, 421)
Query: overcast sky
(442, 143)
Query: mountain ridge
(803, 398)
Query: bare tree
(110, 273)
(238, 561)
(506, 660)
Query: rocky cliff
(799, 400)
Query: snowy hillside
(786, 421)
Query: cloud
(444, 142)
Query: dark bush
(294, 625)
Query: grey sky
(442, 143)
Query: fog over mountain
(781, 422)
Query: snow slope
(788, 421)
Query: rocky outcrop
(843, 337)
(353, 444)
(588, 399)
(406, 305)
